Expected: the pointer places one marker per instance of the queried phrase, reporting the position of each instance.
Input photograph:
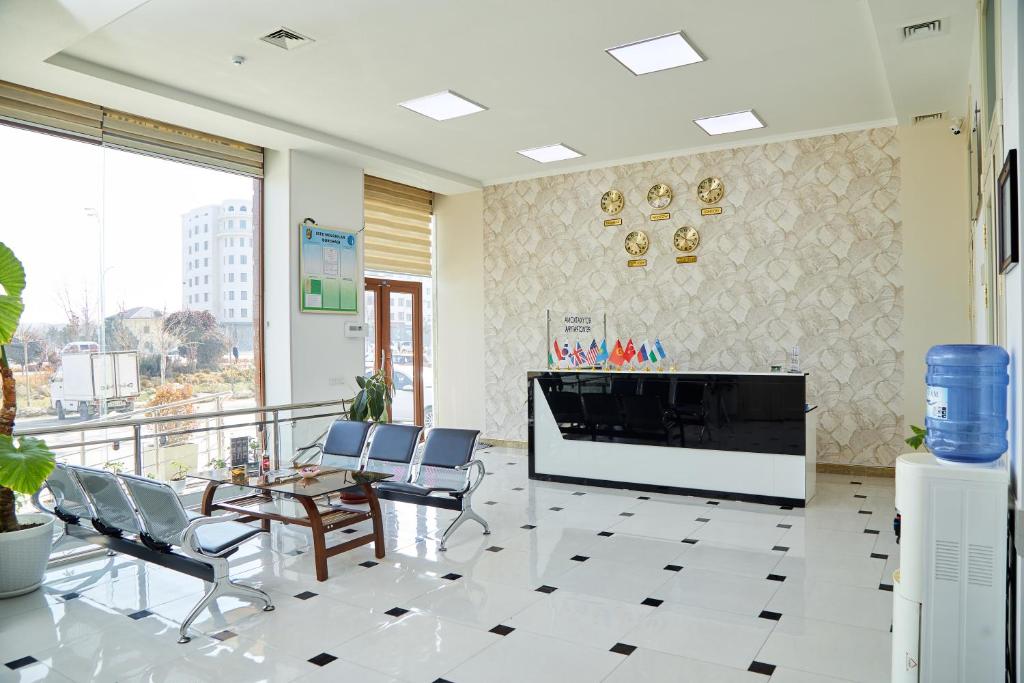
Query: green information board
(327, 270)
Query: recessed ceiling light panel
(442, 106)
(656, 54)
(549, 153)
(730, 123)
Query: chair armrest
(39, 504)
(188, 536)
(481, 471)
(298, 459)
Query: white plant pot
(23, 555)
(178, 485)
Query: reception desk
(742, 436)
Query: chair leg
(216, 589)
(222, 586)
(467, 513)
(252, 592)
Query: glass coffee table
(285, 496)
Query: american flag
(593, 352)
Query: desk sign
(636, 262)
(661, 216)
(686, 259)
(612, 222)
(711, 211)
(239, 451)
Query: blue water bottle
(966, 413)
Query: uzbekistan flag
(629, 352)
(642, 355)
(652, 354)
(603, 355)
(617, 357)
(660, 348)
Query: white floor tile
(235, 659)
(717, 590)
(32, 673)
(651, 666)
(628, 582)
(755, 563)
(836, 602)
(706, 635)
(583, 619)
(625, 548)
(476, 603)
(340, 670)
(831, 542)
(822, 647)
(522, 656)
(863, 571)
(750, 536)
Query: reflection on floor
(575, 584)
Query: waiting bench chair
(445, 477)
(123, 506)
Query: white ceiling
(538, 65)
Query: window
(245, 312)
(241, 224)
(398, 220)
(231, 295)
(190, 250)
(206, 279)
(244, 277)
(231, 277)
(197, 263)
(243, 259)
(231, 313)
(206, 246)
(243, 208)
(231, 225)
(206, 296)
(231, 259)
(244, 295)
(206, 261)
(231, 241)
(190, 298)
(231, 208)
(190, 282)
(206, 227)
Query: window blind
(397, 238)
(120, 130)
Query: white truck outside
(84, 380)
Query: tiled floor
(575, 584)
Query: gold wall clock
(612, 202)
(711, 190)
(659, 196)
(686, 239)
(637, 243)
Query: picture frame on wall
(1006, 214)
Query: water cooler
(949, 594)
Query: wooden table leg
(207, 505)
(378, 522)
(319, 539)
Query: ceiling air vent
(925, 29)
(925, 118)
(286, 39)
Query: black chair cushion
(346, 437)
(394, 443)
(449, 447)
(214, 539)
(411, 489)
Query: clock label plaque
(612, 222)
(686, 259)
(660, 216)
(636, 262)
(711, 211)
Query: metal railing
(272, 416)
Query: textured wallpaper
(807, 252)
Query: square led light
(656, 54)
(442, 106)
(730, 123)
(549, 153)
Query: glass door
(395, 341)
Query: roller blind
(39, 109)
(120, 130)
(397, 238)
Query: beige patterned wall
(807, 252)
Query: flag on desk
(602, 355)
(629, 352)
(617, 357)
(558, 351)
(593, 352)
(580, 355)
(659, 348)
(652, 353)
(641, 355)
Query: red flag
(617, 358)
(558, 351)
(629, 352)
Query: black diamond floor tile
(452, 576)
(494, 549)
(652, 602)
(555, 509)
(396, 612)
(579, 493)
(784, 526)
(625, 514)
(368, 564)
(502, 630)
(785, 507)
(781, 548)
(691, 541)
(528, 526)
(622, 649)
(774, 616)
(672, 567)
(712, 502)
(141, 614)
(863, 512)
(546, 589)
(224, 635)
(16, 664)
(871, 531)
(879, 556)
(306, 595)
(885, 587)
(605, 533)
(776, 577)
(70, 596)
(579, 558)
(702, 519)
(761, 668)
(322, 659)
(518, 488)
(643, 497)
(490, 502)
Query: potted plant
(25, 539)
(178, 476)
(373, 399)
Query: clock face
(686, 238)
(711, 190)
(659, 196)
(612, 202)
(637, 243)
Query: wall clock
(612, 202)
(659, 196)
(686, 239)
(711, 190)
(637, 243)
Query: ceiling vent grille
(925, 118)
(925, 29)
(287, 39)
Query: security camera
(955, 127)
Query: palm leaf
(25, 466)
(12, 282)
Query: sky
(46, 185)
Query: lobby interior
(722, 192)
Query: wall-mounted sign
(660, 216)
(711, 211)
(610, 222)
(686, 259)
(576, 323)
(636, 262)
(327, 270)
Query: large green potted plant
(25, 463)
(373, 399)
